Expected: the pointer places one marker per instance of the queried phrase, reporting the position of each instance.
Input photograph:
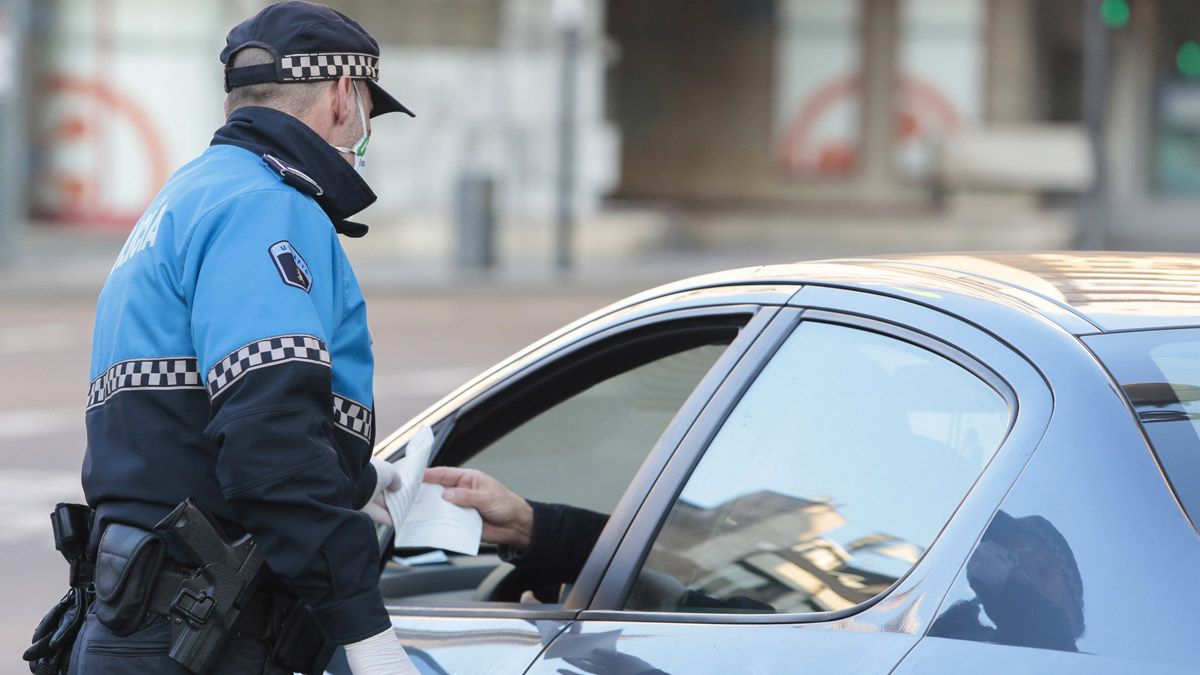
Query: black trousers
(98, 651)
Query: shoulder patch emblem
(291, 265)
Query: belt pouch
(300, 646)
(127, 567)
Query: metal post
(881, 31)
(1093, 226)
(565, 220)
(14, 148)
(475, 222)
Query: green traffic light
(1187, 59)
(1115, 13)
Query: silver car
(948, 463)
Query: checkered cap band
(163, 373)
(310, 67)
(354, 418)
(263, 353)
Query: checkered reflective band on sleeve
(311, 67)
(181, 372)
(263, 353)
(353, 417)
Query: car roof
(1082, 291)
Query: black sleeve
(562, 540)
(283, 477)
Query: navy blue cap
(310, 42)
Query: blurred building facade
(763, 115)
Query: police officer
(232, 364)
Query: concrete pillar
(14, 146)
(881, 29)
(1011, 62)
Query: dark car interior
(574, 429)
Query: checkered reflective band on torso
(302, 67)
(264, 353)
(164, 373)
(353, 417)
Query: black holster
(222, 595)
(55, 634)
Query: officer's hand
(507, 518)
(388, 480)
(379, 655)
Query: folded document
(422, 518)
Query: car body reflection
(747, 569)
(1028, 589)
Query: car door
(794, 529)
(589, 420)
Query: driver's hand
(507, 517)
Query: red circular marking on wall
(79, 209)
(797, 137)
(799, 154)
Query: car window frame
(443, 421)
(497, 414)
(643, 307)
(870, 311)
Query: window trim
(615, 587)
(927, 342)
(760, 317)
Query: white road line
(27, 496)
(32, 422)
(38, 337)
(426, 382)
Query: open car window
(572, 430)
(605, 431)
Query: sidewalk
(53, 262)
(58, 263)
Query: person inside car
(548, 544)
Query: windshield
(1159, 371)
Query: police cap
(310, 42)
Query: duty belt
(171, 598)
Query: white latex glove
(388, 481)
(379, 655)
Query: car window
(1159, 371)
(827, 482)
(584, 450)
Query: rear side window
(827, 482)
(1159, 372)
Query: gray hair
(293, 98)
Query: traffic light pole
(564, 229)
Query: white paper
(436, 523)
(421, 517)
(411, 468)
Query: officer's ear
(344, 108)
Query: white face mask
(360, 148)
